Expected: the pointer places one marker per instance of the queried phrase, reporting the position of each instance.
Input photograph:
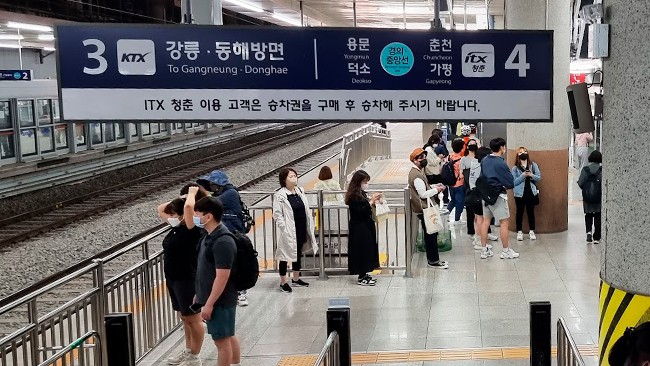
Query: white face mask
(174, 221)
(364, 186)
(293, 180)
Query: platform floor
(476, 304)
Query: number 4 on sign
(519, 53)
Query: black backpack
(246, 216)
(448, 173)
(488, 193)
(592, 190)
(246, 269)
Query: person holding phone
(526, 175)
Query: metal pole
(436, 15)
(187, 16)
(408, 245)
(217, 13)
(404, 12)
(487, 14)
(321, 237)
(20, 49)
(354, 12)
(465, 14)
(302, 15)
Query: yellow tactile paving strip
(435, 355)
(392, 172)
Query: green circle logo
(397, 59)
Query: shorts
(222, 323)
(499, 210)
(476, 209)
(181, 293)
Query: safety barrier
(567, 350)
(78, 350)
(363, 144)
(329, 356)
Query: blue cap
(217, 177)
(440, 150)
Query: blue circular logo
(397, 59)
(17, 75)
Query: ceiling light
(9, 45)
(35, 27)
(470, 10)
(51, 49)
(246, 5)
(416, 26)
(412, 10)
(288, 20)
(11, 37)
(46, 37)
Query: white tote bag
(432, 221)
(382, 211)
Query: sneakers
(487, 253)
(366, 281)
(509, 254)
(194, 360)
(480, 247)
(242, 300)
(589, 238)
(286, 288)
(181, 357)
(531, 235)
(299, 283)
(492, 237)
(520, 236)
(596, 241)
(438, 264)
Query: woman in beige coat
(295, 228)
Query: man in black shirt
(214, 285)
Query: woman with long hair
(526, 174)
(363, 251)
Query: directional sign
(182, 72)
(16, 75)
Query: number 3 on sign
(519, 53)
(97, 55)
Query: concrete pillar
(625, 251)
(547, 143)
(206, 11)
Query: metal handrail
(329, 356)
(75, 344)
(568, 353)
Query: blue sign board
(16, 75)
(182, 72)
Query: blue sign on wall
(16, 75)
(127, 72)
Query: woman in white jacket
(295, 226)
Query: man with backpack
(590, 182)
(453, 177)
(235, 217)
(492, 184)
(215, 285)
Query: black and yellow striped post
(618, 311)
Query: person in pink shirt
(582, 147)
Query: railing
(70, 352)
(567, 350)
(130, 278)
(363, 144)
(329, 356)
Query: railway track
(57, 297)
(21, 227)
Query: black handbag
(472, 198)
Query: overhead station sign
(183, 72)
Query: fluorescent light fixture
(51, 49)
(412, 10)
(34, 27)
(9, 45)
(416, 26)
(246, 5)
(470, 10)
(11, 37)
(287, 19)
(46, 37)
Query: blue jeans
(457, 201)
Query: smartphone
(195, 308)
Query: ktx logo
(478, 60)
(136, 57)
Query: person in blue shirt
(526, 174)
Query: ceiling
(28, 38)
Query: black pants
(593, 218)
(294, 266)
(529, 204)
(430, 242)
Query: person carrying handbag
(526, 175)
(420, 192)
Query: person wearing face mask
(633, 348)
(363, 251)
(295, 225)
(420, 192)
(179, 257)
(526, 175)
(471, 168)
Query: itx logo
(136, 57)
(478, 60)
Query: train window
(120, 131)
(44, 112)
(7, 148)
(26, 113)
(28, 142)
(61, 136)
(155, 128)
(96, 133)
(80, 133)
(179, 126)
(109, 132)
(146, 129)
(163, 127)
(46, 139)
(133, 130)
(56, 116)
(5, 115)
